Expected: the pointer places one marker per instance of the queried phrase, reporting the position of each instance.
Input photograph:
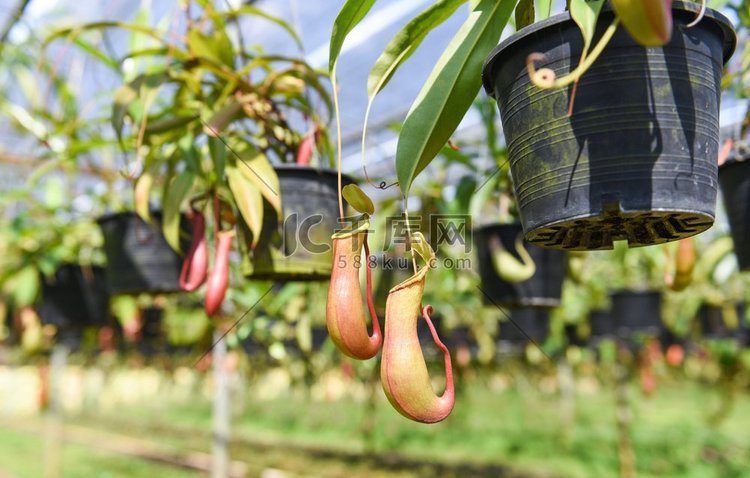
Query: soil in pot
(75, 297)
(637, 312)
(297, 247)
(528, 323)
(636, 161)
(543, 289)
(138, 256)
(734, 179)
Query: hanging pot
(573, 336)
(76, 297)
(636, 161)
(637, 312)
(138, 257)
(543, 289)
(527, 324)
(297, 246)
(602, 324)
(714, 324)
(734, 179)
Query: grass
(519, 427)
(21, 455)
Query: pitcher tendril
(546, 78)
(700, 16)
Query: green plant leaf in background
(23, 286)
(543, 9)
(216, 47)
(403, 44)
(258, 170)
(176, 192)
(525, 14)
(450, 89)
(142, 189)
(585, 13)
(349, 16)
(249, 201)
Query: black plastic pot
(573, 336)
(602, 324)
(637, 312)
(297, 247)
(734, 178)
(713, 325)
(75, 297)
(138, 256)
(543, 289)
(528, 323)
(637, 159)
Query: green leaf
(250, 10)
(142, 189)
(450, 89)
(358, 199)
(218, 152)
(222, 118)
(176, 192)
(97, 52)
(349, 16)
(124, 307)
(524, 14)
(23, 286)
(217, 48)
(403, 44)
(585, 13)
(123, 96)
(543, 9)
(73, 32)
(257, 169)
(249, 201)
(170, 123)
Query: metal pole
(220, 458)
(53, 423)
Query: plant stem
(334, 86)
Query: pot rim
(721, 21)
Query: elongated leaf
(73, 32)
(543, 9)
(168, 124)
(248, 200)
(524, 13)
(223, 117)
(403, 44)
(142, 193)
(585, 13)
(178, 190)
(97, 52)
(349, 16)
(123, 96)
(218, 152)
(250, 10)
(257, 169)
(216, 48)
(450, 89)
